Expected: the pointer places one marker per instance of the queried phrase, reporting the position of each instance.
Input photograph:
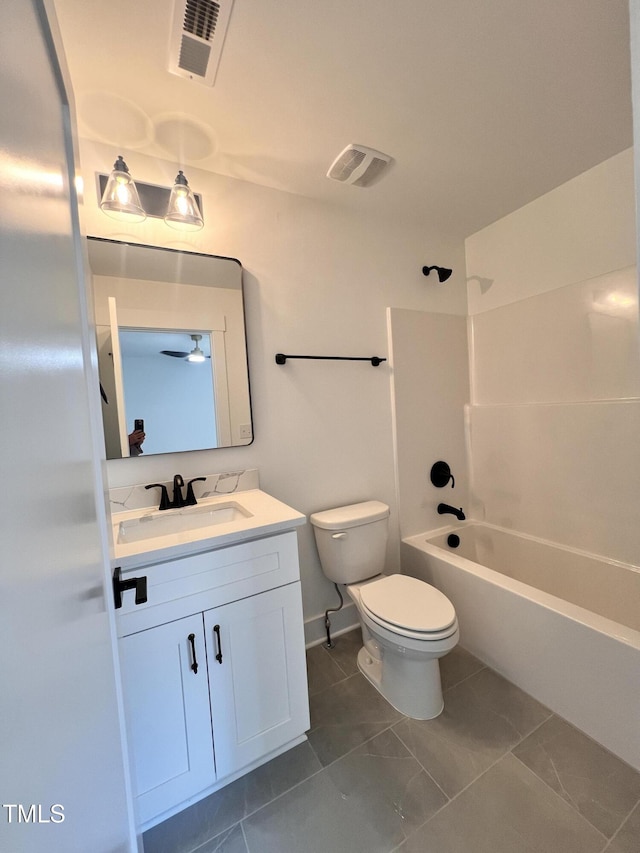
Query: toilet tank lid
(350, 516)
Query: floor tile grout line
(264, 805)
(334, 684)
(226, 832)
(466, 678)
(281, 794)
(327, 766)
(410, 751)
(468, 785)
(477, 778)
(362, 743)
(510, 751)
(346, 674)
(244, 835)
(328, 652)
(560, 797)
(404, 717)
(535, 728)
(451, 800)
(442, 807)
(619, 829)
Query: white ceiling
(483, 104)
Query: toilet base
(412, 686)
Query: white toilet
(406, 623)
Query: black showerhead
(443, 272)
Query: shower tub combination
(562, 624)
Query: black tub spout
(445, 508)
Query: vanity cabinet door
(167, 712)
(257, 676)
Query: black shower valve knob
(441, 475)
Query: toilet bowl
(407, 624)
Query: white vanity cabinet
(236, 612)
(254, 668)
(168, 715)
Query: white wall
(555, 418)
(318, 281)
(430, 390)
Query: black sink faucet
(444, 508)
(178, 499)
(165, 503)
(190, 500)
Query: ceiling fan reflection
(195, 355)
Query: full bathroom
(499, 398)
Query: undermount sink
(172, 521)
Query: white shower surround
(549, 619)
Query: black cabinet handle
(192, 640)
(119, 586)
(216, 631)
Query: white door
(62, 767)
(118, 379)
(166, 692)
(257, 676)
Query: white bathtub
(561, 624)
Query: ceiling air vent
(197, 37)
(359, 166)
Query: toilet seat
(409, 607)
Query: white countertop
(268, 516)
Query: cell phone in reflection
(138, 424)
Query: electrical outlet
(245, 431)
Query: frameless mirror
(172, 349)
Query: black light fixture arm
(375, 360)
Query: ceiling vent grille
(359, 166)
(197, 37)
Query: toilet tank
(352, 540)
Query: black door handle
(119, 586)
(216, 631)
(192, 640)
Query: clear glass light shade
(120, 198)
(183, 212)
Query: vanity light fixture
(443, 272)
(183, 211)
(120, 198)
(196, 354)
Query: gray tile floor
(496, 772)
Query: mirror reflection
(171, 349)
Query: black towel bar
(375, 360)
